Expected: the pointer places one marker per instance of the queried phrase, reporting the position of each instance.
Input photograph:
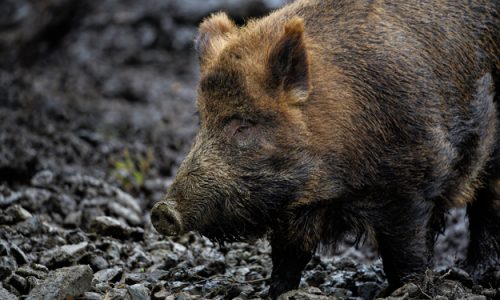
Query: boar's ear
(212, 36)
(289, 68)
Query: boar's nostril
(165, 219)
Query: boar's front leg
(289, 259)
(403, 230)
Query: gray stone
(63, 283)
(160, 295)
(337, 292)
(19, 283)
(301, 295)
(314, 290)
(114, 250)
(7, 266)
(39, 267)
(138, 292)
(367, 290)
(10, 199)
(4, 248)
(6, 295)
(132, 278)
(92, 296)
(17, 213)
(98, 262)
(64, 254)
(107, 275)
(138, 259)
(127, 200)
(27, 271)
(126, 213)
(117, 294)
(182, 296)
(33, 281)
(73, 219)
(18, 254)
(105, 225)
(43, 178)
(31, 226)
(102, 287)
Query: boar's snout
(166, 219)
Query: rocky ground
(96, 111)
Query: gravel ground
(96, 111)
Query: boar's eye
(239, 129)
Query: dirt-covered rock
(64, 283)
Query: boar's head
(250, 158)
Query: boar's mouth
(227, 227)
(223, 227)
(220, 233)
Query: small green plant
(130, 170)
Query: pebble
(19, 283)
(4, 248)
(102, 287)
(14, 214)
(127, 200)
(107, 275)
(126, 213)
(97, 262)
(7, 266)
(138, 292)
(63, 255)
(314, 290)
(9, 200)
(138, 259)
(33, 281)
(113, 251)
(6, 295)
(63, 283)
(75, 236)
(42, 178)
(340, 293)
(109, 226)
(18, 254)
(182, 296)
(301, 295)
(27, 271)
(39, 267)
(117, 294)
(160, 295)
(73, 219)
(367, 290)
(92, 296)
(132, 278)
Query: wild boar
(328, 118)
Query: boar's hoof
(165, 219)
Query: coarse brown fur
(333, 117)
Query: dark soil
(96, 111)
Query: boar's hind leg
(483, 253)
(288, 262)
(403, 233)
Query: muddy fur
(328, 118)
